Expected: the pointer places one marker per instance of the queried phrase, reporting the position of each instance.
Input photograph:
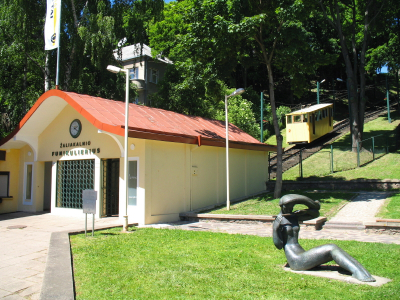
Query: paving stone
(16, 285)
(34, 289)
(4, 293)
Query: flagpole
(58, 50)
(58, 63)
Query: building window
(28, 176)
(4, 184)
(134, 73)
(305, 118)
(132, 182)
(153, 76)
(73, 176)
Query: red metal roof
(150, 123)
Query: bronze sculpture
(286, 232)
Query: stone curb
(317, 223)
(356, 184)
(58, 280)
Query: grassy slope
(266, 205)
(178, 264)
(386, 167)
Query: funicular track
(291, 156)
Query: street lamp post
(318, 83)
(114, 69)
(235, 93)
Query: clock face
(75, 128)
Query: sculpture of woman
(286, 232)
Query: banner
(52, 25)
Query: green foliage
(90, 31)
(21, 59)
(240, 113)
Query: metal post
(125, 228)
(348, 99)
(85, 225)
(358, 154)
(317, 92)
(387, 98)
(373, 148)
(228, 204)
(331, 158)
(262, 116)
(269, 166)
(387, 145)
(301, 163)
(93, 225)
(334, 97)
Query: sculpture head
(288, 202)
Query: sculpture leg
(346, 261)
(301, 260)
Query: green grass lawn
(177, 264)
(266, 205)
(391, 209)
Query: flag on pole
(52, 25)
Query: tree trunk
(47, 81)
(279, 138)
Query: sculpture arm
(276, 232)
(306, 214)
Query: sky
(383, 69)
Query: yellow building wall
(166, 181)
(11, 164)
(207, 177)
(55, 143)
(183, 178)
(257, 171)
(56, 138)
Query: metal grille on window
(73, 176)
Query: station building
(69, 142)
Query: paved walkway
(362, 209)
(23, 252)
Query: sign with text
(89, 198)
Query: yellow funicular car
(307, 124)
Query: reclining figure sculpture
(286, 232)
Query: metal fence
(336, 157)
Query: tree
(222, 34)
(385, 42)
(90, 31)
(352, 21)
(21, 59)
